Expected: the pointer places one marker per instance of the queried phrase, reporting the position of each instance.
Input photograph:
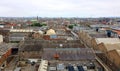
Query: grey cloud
(59, 8)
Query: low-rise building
(5, 53)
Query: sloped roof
(107, 40)
(43, 65)
(117, 31)
(112, 46)
(118, 51)
(21, 30)
(5, 47)
(69, 53)
(39, 31)
(115, 51)
(51, 32)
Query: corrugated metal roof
(43, 65)
(69, 53)
(5, 47)
(21, 30)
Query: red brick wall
(5, 56)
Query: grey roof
(99, 25)
(69, 53)
(98, 35)
(17, 36)
(4, 47)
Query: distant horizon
(59, 17)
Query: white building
(1, 38)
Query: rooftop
(51, 32)
(112, 46)
(69, 53)
(118, 51)
(5, 47)
(21, 30)
(107, 40)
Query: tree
(36, 24)
(75, 24)
(70, 26)
(44, 24)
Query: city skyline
(62, 8)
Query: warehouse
(108, 47)
(97, 41)
(68, 54)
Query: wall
(5, 56)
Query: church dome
(51, 32)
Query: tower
(37, 18)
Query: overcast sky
(60, 8)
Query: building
(38, 34)
(1, 38)
(114, 57)
(21, 30)
(51, 32)
(66, 23)
(17, 35)
(69, 54)
(43, 65)
(97, 41)
(5, 33)
(105, 48)
(30, 49)
(5, 53)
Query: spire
(37, 18)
